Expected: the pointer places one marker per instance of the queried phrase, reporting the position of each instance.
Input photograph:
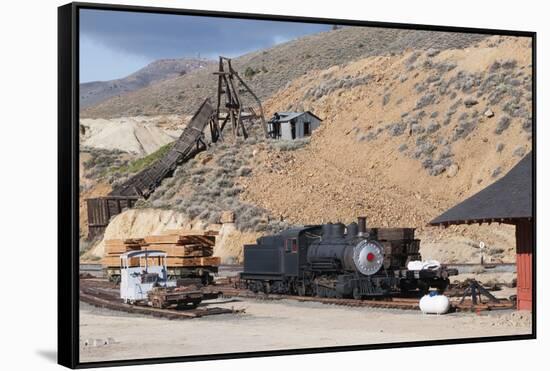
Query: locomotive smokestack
(362, 226)
(327, 231)
(338, 230)
(351, 231)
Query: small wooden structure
(101, 209)
(292, 125)
(509, 200)
(231, 106)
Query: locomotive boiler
(334, 260)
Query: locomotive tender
(334, 260)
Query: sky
(113, 44)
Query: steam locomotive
(334, 260)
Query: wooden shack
(510, 201)
(292, 125)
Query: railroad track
(387, 303)
(396, 303)
(102, 295)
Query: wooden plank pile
(184, 248)
(115, 247)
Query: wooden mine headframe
(229, 109)
(230, 106)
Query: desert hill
(416, 128)
(98, 91)
(404, 137)
(407, 133)
(272, 69)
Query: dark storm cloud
(164, 36)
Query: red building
(509, 200)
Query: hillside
(414, 126)
(98, 91)
(272, 69)
(406, 134)
(404, 138)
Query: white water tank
(434, 304)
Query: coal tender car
(334, 260)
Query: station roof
(505, 201)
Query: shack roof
(287, 116)
(505, 201)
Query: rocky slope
(272, 69)
(98, 91)
(404, 138)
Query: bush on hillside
(502, 125)
(290, 145)
(425, 100)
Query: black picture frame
(68, 182)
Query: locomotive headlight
(368, 257)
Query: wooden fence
(101, 209)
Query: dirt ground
(276, 325)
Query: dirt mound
(138, 223)
(230, 241)
(138, 135)
(269, 70)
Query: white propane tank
(434, 304)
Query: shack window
(291, 245)
(307, 128)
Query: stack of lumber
(114, 248)
(184, 232)
(185, 248)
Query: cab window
(291, 245)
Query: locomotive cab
(274, 263)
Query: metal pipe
(327, 231)
(362, 225)
(351, 230)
